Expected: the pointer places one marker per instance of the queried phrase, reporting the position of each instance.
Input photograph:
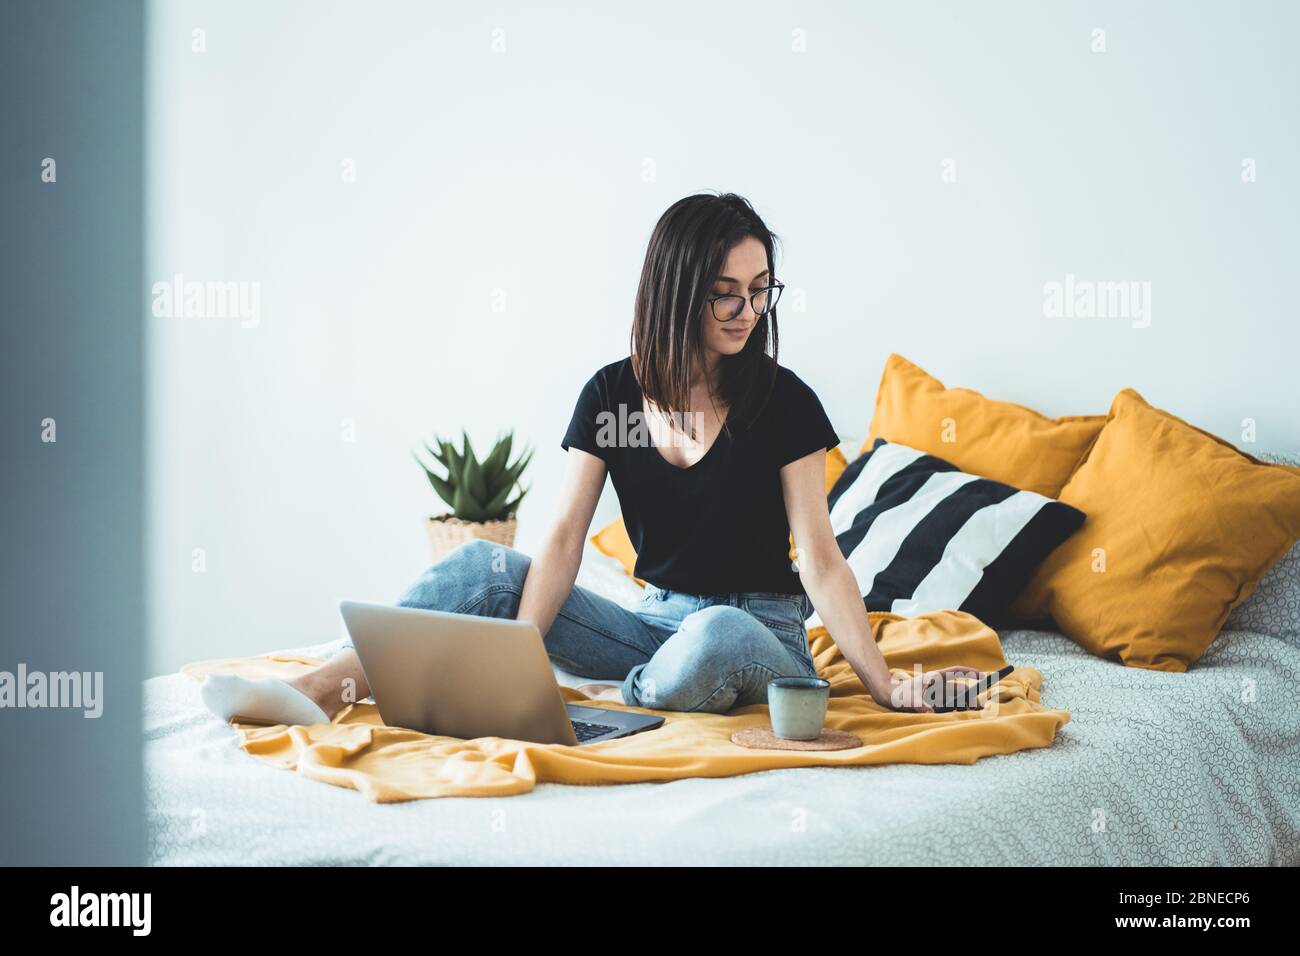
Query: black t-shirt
(719, 526)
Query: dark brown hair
(687, 252)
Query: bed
(1154, 768)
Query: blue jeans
(675, 651)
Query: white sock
(260, 699)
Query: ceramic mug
(798, 706)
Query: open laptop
(466, 676)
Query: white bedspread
(1154, 768)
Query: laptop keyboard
(586, 731)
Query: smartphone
(958, 693)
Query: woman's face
(743, 274)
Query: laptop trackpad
(591, 715)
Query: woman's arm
(830, 583)
(555, 566)
(827, 577)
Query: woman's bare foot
(610, 692)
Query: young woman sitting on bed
(716, 453)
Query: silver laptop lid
(458, 675)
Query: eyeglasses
(727, 307)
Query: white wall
(526, 171)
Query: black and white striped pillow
(922, 536)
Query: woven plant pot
(446, 532)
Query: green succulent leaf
(477, 490)
(496, 460)
(438, 456)
(453, 459)
(467, 508)
(514, 471)
(513, 506)
(444, 489)
(440, 485)
(472, 479)
(497, 505)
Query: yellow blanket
(389, 764)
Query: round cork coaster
(762, 738)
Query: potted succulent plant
(478, 493)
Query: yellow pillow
(1181, 526)
(1008, 443)
(613, 540)
(835, 465)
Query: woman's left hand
(911, 694)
